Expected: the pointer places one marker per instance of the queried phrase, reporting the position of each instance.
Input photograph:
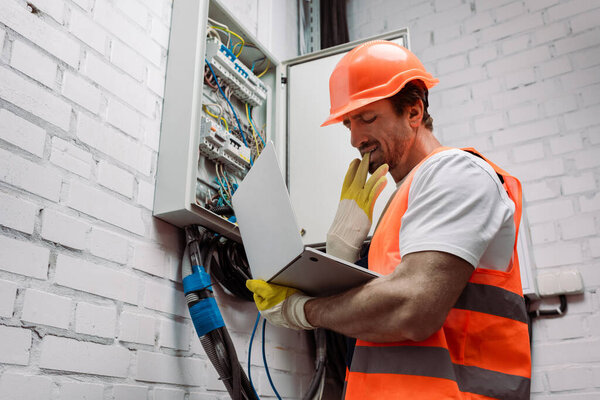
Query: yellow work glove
(354, 216)
(280, 305)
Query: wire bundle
(226, 261)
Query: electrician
(447, 319)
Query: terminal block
(236, 154)
(246, 86)
(221, 146)
(213, 137)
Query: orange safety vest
(481, 352)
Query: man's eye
(369, 120)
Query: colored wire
(250, 352)
(242, 41)
(265, 361)
(255, 61)
(253, 131)
(222, 187)
(266, 69)
(254, 127)
(228, 183)
(230, 106)
(218, 118)
(226, 30)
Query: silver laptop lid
(265, 217)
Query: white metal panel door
(319, 157)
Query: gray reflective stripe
(435, 362)
(492, 300)
(492, 383)
(408, 360)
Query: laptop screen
(265, 217)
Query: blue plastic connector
(205, 312)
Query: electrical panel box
(225, 96)
(219, 111)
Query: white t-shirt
(458, 205)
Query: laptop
(272, 239)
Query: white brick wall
(95, 320)
(22, 133)
(90, 306)
(23, 258)
(15, 344)
(84, 357)
(95, 278)
(137, 328)
(46, 309)
(78, 391)
(14, 386)
(8, 292)
(66, 230)
(17, 213)
(533, 71)
(71, 158)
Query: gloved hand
(354, 216)
(280, 305)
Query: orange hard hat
(372, 71)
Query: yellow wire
(253, 131)
(217, 117)
(266, 69)
(234, 34)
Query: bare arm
(409, 304)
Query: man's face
(378, 129)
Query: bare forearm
(367, 312)
(411, 303)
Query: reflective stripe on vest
(482, 350)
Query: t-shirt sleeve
(455, 205)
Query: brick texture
(15, 345)
(46, 309)
(84, 357)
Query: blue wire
(265, 360)
(250, 353)
(252, 122)
(228, 102)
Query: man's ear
(415, 114)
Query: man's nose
(357, 138)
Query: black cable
(215, 340)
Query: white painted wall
(520, 81)
(90, 301)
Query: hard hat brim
(338, 115)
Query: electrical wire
(227, 182)
(226, 30)
(262, 60)
(217, 117)
(254, 127)
(253, 131)
(241, 39)
(250, 351)
(230, 105)
(266, 69)
(265, 360)
(224, 191)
